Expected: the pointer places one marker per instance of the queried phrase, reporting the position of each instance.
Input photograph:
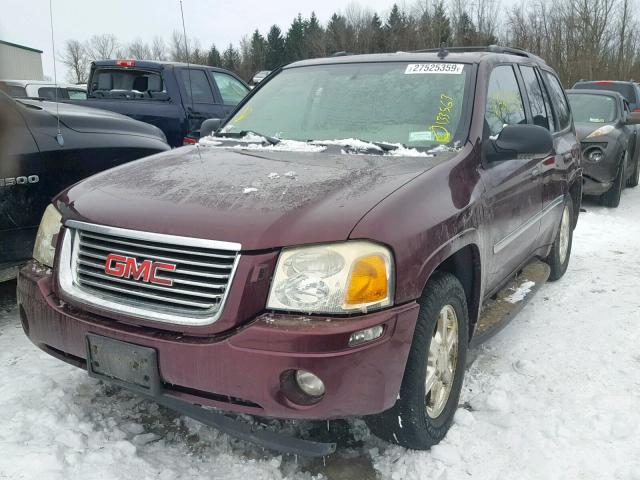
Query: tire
(560, 254)
(418, 420)
(634, 179)
(611, 199)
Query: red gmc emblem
(145, 271)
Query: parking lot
(554, 395)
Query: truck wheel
(433, 376)
(634, 179)
(612, 197)
(558, 259)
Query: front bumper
(240, 370)
(594, 187)
(599, 176)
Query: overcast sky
(26, 22)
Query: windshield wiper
(242, 133)
(355, 144)
(387, 147)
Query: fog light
(366, 335)
(596, 155)
(309, 383)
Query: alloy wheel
(565, 234)
(441, 361)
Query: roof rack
(341, 54)
(488, 48)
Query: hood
(260, 199)
(583, 129)
(93, 120)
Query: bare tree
(139, 50)
(102, 47)
(158, 49)
(76, 60)
(179, 48)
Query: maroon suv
(327, 252)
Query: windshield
(414, 104)
(592, 108)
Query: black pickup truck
(174, 97)
(46, 147)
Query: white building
(18, 62)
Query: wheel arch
(460, 258)
(575, 193)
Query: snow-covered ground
(556, 395)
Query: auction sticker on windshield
(450, 68)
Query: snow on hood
(252, 141)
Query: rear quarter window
(16, 91)
(127, 83)
(558, 100)
(49, 93)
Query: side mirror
(519, 141)
(209, 126)
(633, 118)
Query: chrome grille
(199, 283)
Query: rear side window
(197, 86)
(536, 97)
(504, 100)
(558, 100)
(625, 89)
(231, 90)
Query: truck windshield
(592, 108)
(414, 104)
(126, 83)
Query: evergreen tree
(294, 46)
(441, 24)
(435, 27)
(231, 59)
(465, 31)
(314, 38)
(213, 57)
(395, 29)
(377, 35)
(275, 48)
(338, 36)
(258, 52)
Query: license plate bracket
(131, 366)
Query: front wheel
(435, 368)
(558, 259)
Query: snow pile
(521, 292)
(553, 396)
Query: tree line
(590, 39)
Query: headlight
(604, 130)
(44, 249)
(333, 278)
